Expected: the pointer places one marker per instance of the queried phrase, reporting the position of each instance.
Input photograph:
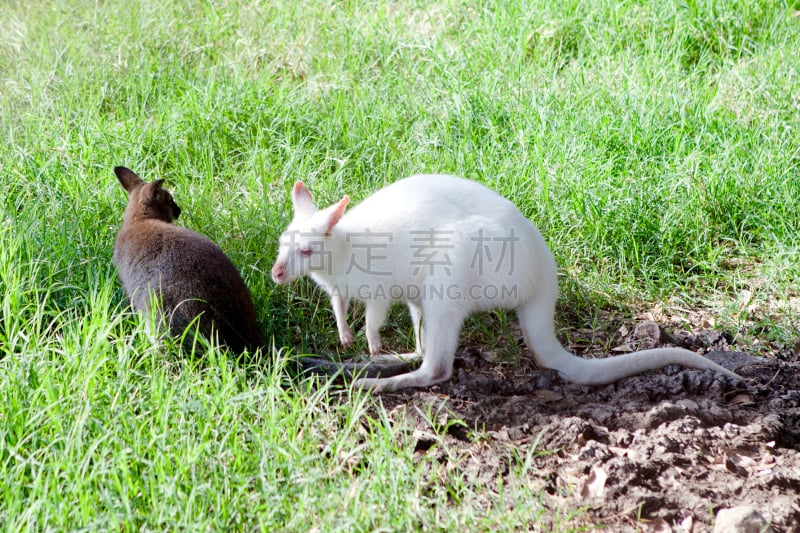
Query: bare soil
(664, 451)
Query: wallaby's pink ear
(128, 178)
(301, 200)
(336, 212)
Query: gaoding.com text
(398, 292)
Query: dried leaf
(659, 525)
(501, 434)
(489, 356)
(767, 460)
(717, 462)
(595, 484)
(742, 399)
(741, 461)
(619, 451)
(547, 395)
(647, 331)
(739, 464)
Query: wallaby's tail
(314, 365)
(611, 369)
(549, 353)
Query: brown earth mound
(661, 451)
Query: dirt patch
(664, 450)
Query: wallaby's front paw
(346, 336)
(375, 347)
(374, 342)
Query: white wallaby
(447, 247)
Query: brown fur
(188, 274)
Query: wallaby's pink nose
(278, 273)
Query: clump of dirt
(667, 449)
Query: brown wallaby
(186, 273)
(190, 278)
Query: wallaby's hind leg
(340, 306)
(416, 319)
(375, 317)
(441, 335)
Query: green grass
(654, 144)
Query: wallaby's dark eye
(305, 252)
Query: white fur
(447, 247)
